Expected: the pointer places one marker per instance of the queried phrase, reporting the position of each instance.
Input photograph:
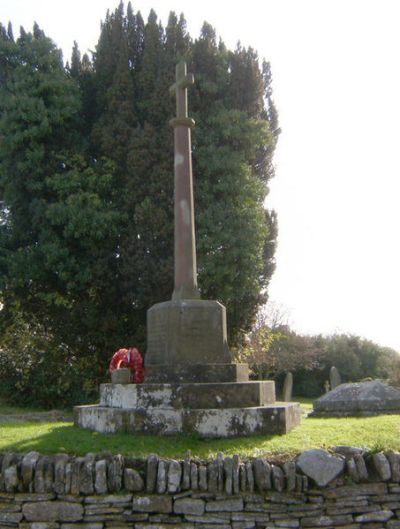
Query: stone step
(190, 396)
(181, 373)
(277, 418)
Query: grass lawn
(375, 433)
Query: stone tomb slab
(358, 399)
(277, 418)
(190, 396)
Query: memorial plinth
(191, 383)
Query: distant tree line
(86, 194)
(274, 350)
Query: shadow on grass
(52, 438)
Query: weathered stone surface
(35, 497)
(235, 474)
(27, 468)
(381, 466)
(44, 525)
(215, 518)
(361, 467)
(377, 516)
(289, 468)
(151, 473)
(361, 398)
(366, 489)
(189, 506)
(228, 471)
(249, 476)
(55, 511)
(186, 471)
(111, 498)
(195, 477)
(86, 482)
(260, 474)
(121, 376)
(220, 472)
(212, 475)
(150, 503)
(231, 504)
(75, 474)
(133, 481)
(394, 461)
(10, 517)
(114, 473)
(323, 521)
(347, 451)
(161, 486)
(100, 479)
(174, 477)
(203, 478)
(10, 476)
(82, 525)
(320, 466)
(351, 468)
(60, 462)
(43, 481)
(278, 478)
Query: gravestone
(358, 399)
(191, 382)
(288, 387)
(334, 377)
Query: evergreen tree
(86, 180)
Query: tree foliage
(273, 349)
(86, 186)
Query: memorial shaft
(185, 282)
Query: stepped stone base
(208, 409)
(165, 373)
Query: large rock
(320, 466)
(361, 398)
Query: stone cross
(185, 283)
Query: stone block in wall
(212, 477)
(278, 478)
(262, 474)
(186, 471)
(152, 503)
(115, 471)
(228, 475)
(10, 518)
(82, 525)
(109, 498)
(151, 473)
(320, 466)
(365, 489)
(326, 521)
(189, 506)
(10, 476)
(249, 476)
(28, 465)
(60, 462)
(393, 524)
(133, 481)
(163, 526)
(54, 511)
(235, 474)
(361, 466)
(375, 516)
(230, 505)
(243, 525)
(161, 484)
(174, 476)
(202, 473)
(195, 477)
(381, 466)
(100, 477)
(394, 461)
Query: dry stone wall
(345, 489)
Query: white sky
(336, 74)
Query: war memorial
(191, 383)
